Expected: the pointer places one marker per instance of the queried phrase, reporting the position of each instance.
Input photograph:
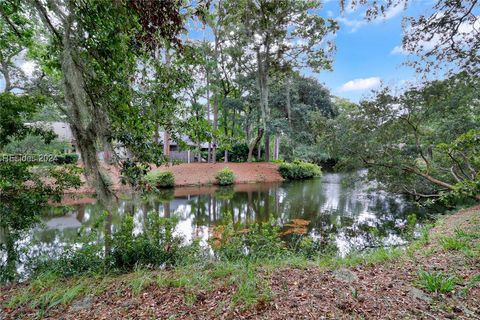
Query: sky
(368, 53)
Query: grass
(472, 283)
(251, 290)
(381, 255)
(48, 291)
(437, 282)
(452, 243)
(140, 279)
(463, 234)
(249, 278)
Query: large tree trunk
(166, 134)
(276, 149)
(209, 153)
(88, 122)
(215, 127)
(288, 100)
(262, 72)
(166, 143)
(254, 143)
(267, 147)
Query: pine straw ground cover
(437, 277)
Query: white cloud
(398, 50)
(354, 24)
(360, 84)
(394, 11)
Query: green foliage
(437, 282)
(452, 243)
(299, 170)
(311, 248)
(423, 142)
(88, 259)
(156, 246)
(160, 179)
(34, 144)
(259, 241)
(225, 177)
(237, 153)
(21, 203)
(66, 158)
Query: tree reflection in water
(340, 210)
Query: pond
(341, 209)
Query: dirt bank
(188, 174)
(198, 174)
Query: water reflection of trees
(334, 208)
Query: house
(175, 151)
(61, 129)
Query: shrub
(299, 170)
(225, 177)
(66, 158)
(259, 241)
(73, 261)
(156, 246)
(237, 153)
(160, 179)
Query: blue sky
(366, 51)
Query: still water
(341, 208)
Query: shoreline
(381, 284)
(197, 175)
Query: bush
(299, 170)
(66, 158)
(225, 177)
(160, 179)
(259, 241)
(237, 153)
(156, 246)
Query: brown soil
(382, 291)
(198, 174)
(188, 174)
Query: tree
(447, 38)
(26, 186)
(421, 142)
(91, 51)
(293, 112)
(276, 35)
